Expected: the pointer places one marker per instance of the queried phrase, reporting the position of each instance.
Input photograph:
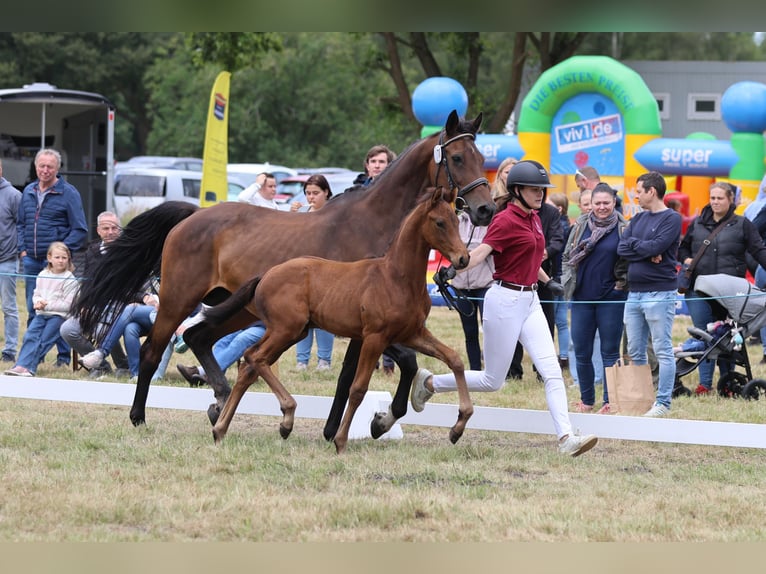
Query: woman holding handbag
(594, 278)
(717, 241)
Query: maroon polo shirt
(517, 243)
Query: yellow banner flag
(215, 155)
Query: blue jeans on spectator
(324, 346)
(598, 364)
(702, 313)
(8, 271)
(653, 312)
(471, 310)
(32, 268)
(229, 348)
(40, 337)
(134, 322)
(588, 320)
(561, 314)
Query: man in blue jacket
(9, 257)
(50, 210)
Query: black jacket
(729, 250)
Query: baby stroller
(742, 310)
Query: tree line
(315, 99)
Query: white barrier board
(435, 414)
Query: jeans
(134, 322)
(42, 333)
(702, 313)
(470, 311)
(588, 319)
(324, 346)
(229, 348)
(653, 313)
(561, 315)
(32, 268)
(511, 316)
(598, 363)
(8, 271)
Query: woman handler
(512, 310)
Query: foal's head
(441, 228)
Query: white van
(139, 189)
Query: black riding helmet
(527, 173)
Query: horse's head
(441, 227)
(459, 165)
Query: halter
(441, 159)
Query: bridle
(440, 159)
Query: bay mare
(377, 301)
(204, 255)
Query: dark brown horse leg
(151, 354)
(200, 340)
(345, 378)
(406, 358)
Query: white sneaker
(93, 359)
(420, 394)
(301, 366)
(575, 445)
(657, 410)
(323, 365)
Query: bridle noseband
(440, 159)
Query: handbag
(630, 388)
(684, 278)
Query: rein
(440, 159)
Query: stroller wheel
(731, 384)
(754, 390)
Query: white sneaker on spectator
(657, 410)
(323, 365)
(93, 359)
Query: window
(191, 187)
(704, 107)
(132, 185)
(663, 105)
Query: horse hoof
(212, 413)
(454, 435)
(378, 425)
(284, 432)
(137, 422)
(217, 438)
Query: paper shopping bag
(630, 388)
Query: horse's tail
(222, 312)
(128, 264)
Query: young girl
(52, 298)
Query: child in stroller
(723, 340)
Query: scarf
(599, 228)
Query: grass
(75, 472)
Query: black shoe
(564, 363)
(191, 374)
(763, 360)
(61, 363)
(8, 358)
(99, 372)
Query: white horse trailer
(80, 125)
